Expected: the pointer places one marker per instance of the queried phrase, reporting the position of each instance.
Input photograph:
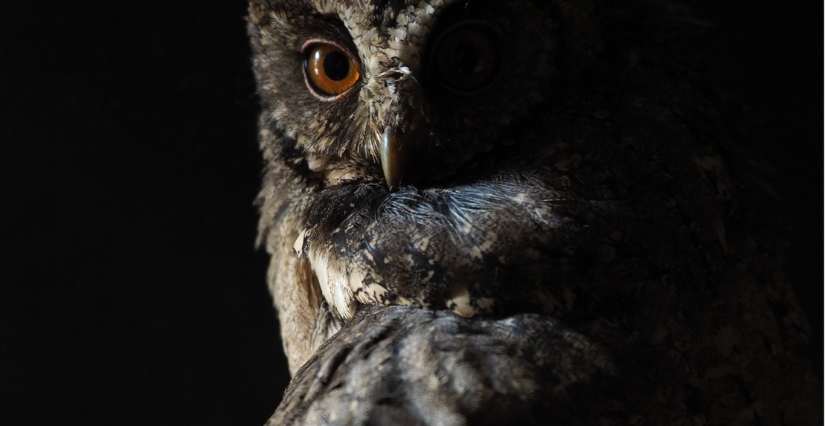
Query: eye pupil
(466, 59)
(336, 66)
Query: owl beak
(395, 148)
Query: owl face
(479, 156)
(404, 91)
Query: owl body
(514, 171)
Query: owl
(522, 212)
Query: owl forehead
(385, 31)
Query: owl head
(404, 92)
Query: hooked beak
(395, 149)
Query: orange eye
(330, 71)
(467, 58)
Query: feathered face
(396, 91)
(479, 156)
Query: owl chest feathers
(451, 249)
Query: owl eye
(467, 57)
(329, 70)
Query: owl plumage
(572, 178)
(338, 143)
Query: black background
(130, 290)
